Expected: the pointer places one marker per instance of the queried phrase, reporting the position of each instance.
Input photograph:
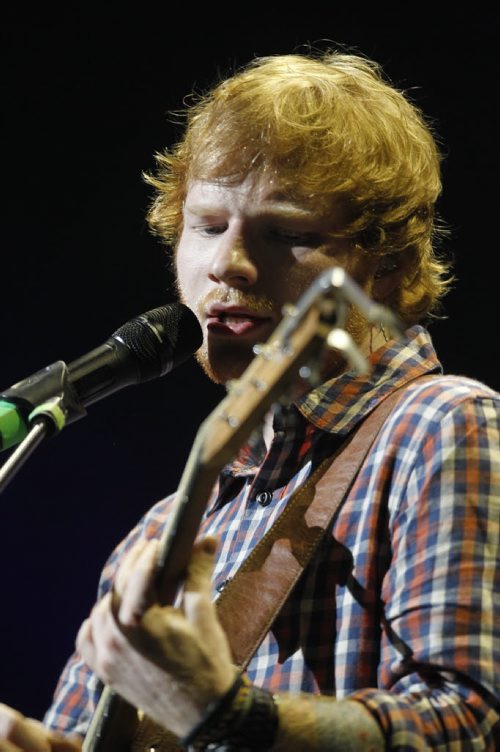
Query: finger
(58, 743)
(164, 629)
(6, 746)
(197, 601)
(84, 642)
(138, 591)
(98, 633)
(199, 610)
(127, 565)
(201, 565)
(19, 733)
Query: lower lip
(236, 329)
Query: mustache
(258, 303)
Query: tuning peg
(340, 340)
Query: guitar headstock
(274, 370)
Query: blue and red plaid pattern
(400, 610)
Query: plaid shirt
(400, 609)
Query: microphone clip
(47, 394)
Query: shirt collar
(340, 403)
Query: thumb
(201, 566)
(61, 744)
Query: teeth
(234, 319)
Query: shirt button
(220, 587)
(264, 498)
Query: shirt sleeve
(439, 676)
(78, 689)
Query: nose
(233, 266)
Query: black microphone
(144, 348)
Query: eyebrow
(277, 208)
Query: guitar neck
(113, 724)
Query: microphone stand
(39, 430)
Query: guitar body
(149, 737)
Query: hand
(169, 662)
(20, 734)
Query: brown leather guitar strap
(251, 601)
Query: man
(390, 639)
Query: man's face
(244, 252)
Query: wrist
(244, 718)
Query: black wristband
(244, 719)
(215, 711)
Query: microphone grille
(161, 339)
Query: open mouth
(235, 323)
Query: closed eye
(210, 229)
(289, 237)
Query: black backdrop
(85, 98)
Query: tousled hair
(334, 134)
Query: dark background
(85, 99)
